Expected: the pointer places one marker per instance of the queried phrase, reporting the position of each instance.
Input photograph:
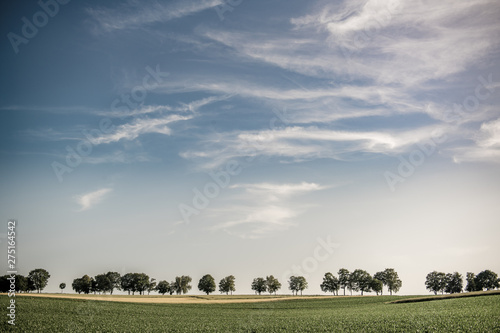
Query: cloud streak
(263, 209)
(88, 200)
(135, 14)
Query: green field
(343, 314)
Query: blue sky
(237, 137)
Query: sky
(251, 138)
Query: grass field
(339, 314)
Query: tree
(454, 283)
(21, 283)
(151, 285)
(62, 286)
(487, 280)
(114, 281)
(259, 285)
(272, 284)
(435, 282)
(93, 286)
(471, 282)
(226, 285)
(377, 286)
(127, 282)
(381, 277)
(330, 284)
(141, 282)
(361, 281)
(31, 285)
(343, 278)
(82, 285)
(207, 284)
(40, 277)
(163, 287)
(182, 284)
(392, 280)
(4, 283)
(297, 283)
(103, 283)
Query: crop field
(308, 314)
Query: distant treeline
(359, 281)
(453, 282)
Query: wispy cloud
(304, 143)
(135, 14)
(88, 200)
(486, 148)
(262, 209)
(139, 127)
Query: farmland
(307, 314)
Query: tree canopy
(330, 284)
(207, 284)
(226, 285)
(40, 278)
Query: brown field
(185, 299)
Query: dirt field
(194, 299)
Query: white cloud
(303, 143)
(486, 148)
(139, 127)
(135, 14)
(88, 200)
(263, 209)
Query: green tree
(487, 280)
(392, 280)
(330, 284)
(377, 286)
(93, 286)
(141, 282)
(31, 284)
(21, 283)
(361, 281)
(40, 278)
(454, 283)
(297, 283)
(207, 284)
(62, 286)
(82, 285)
(103, 284)
(227, 285)
(127, 282)
(272, 284)
(259, 285)
(114, 280)
(435, 282)
(163, 287)
(343, 278)
(381, 277)
(151, 285)
(4, 283)
(182, 284)
(471, 283)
